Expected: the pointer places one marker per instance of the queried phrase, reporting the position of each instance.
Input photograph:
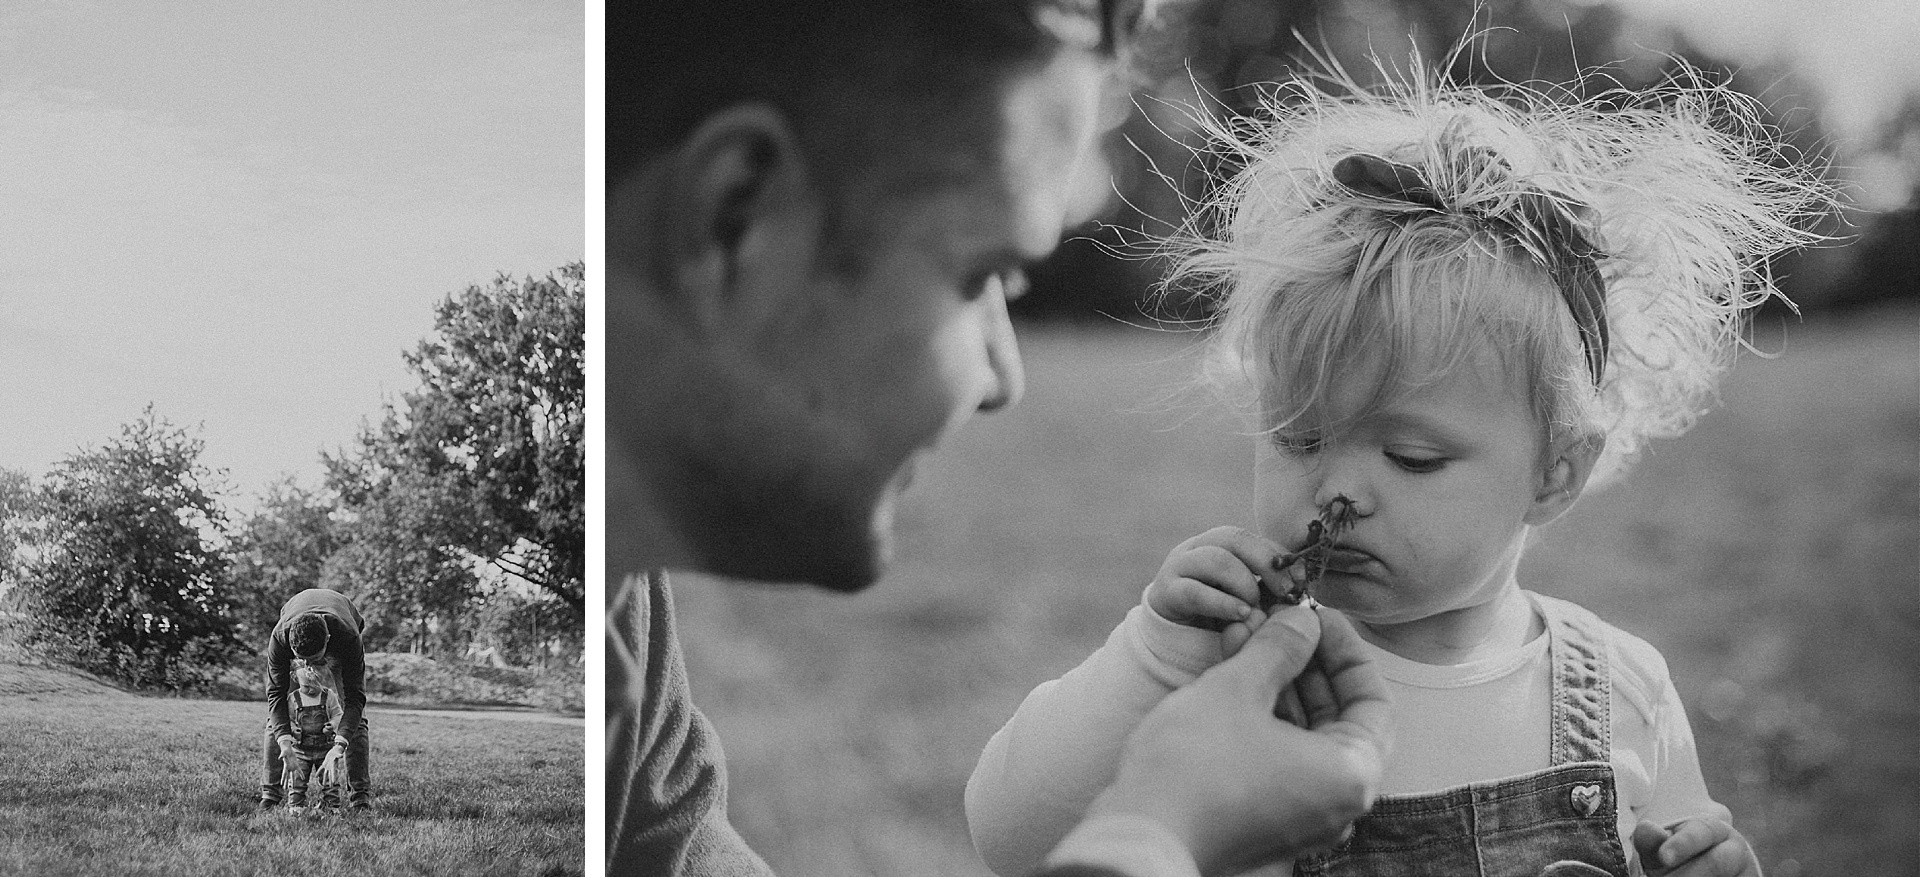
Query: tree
(127, 580)
(408, 557)
(484, 463)
(279, 551)
(17, 500)
(501, 414)
(16, 504)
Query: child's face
(1445, 483)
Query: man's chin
(832, 537)
(843, 550)
(866, 551)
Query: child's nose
(1344, 476)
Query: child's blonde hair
(1677, 195)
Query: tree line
(455, 519)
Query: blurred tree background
(455, 521)
(1222, 51)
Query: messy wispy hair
(1682, 191)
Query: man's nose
(1003, 357)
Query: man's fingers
(1355, 683)
(1316, 695)
(1232, 637)
(1289, 709)
(1272, 656)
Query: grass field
(96, 781)
(1773, 555)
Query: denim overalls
(1560, 821)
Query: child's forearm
(1040, 771)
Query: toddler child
(1448, 311)
(319, 750)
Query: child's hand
(1213, 581)
(1694, 848)
(287, 750)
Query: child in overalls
(1447, 315)
(319, 750)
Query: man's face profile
(928, 342)
(830, 359)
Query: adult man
(815, 215)
(318, 629)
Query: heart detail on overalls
(1586, 799)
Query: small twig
(1323, 534)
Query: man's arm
(666, 774)
(279, 662)
(350, 660)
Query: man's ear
(1569, 463)
(741, 209)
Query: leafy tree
(500, 417)
(526, 628)
(16, 503)
(17, 500)
(409, 540)
(127, 580)
(279, 551)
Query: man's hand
(1240, 787)
(1213, 581)
(1704, 847)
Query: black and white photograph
(960, 438)
(1361, 437)
(292, 506)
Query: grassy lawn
(100, 782)
(1771, 555)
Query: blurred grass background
(1773, 555)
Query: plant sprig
(1323, 534)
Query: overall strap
(1582, 688)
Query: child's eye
(1417, 464)
(1299, 443)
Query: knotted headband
(1548, 228)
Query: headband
(1548, 228)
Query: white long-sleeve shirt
(1452, 725)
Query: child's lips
(1348, 560)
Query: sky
(243, 213)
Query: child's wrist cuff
(1133, 846)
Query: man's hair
(855, 78)
(307, 636)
